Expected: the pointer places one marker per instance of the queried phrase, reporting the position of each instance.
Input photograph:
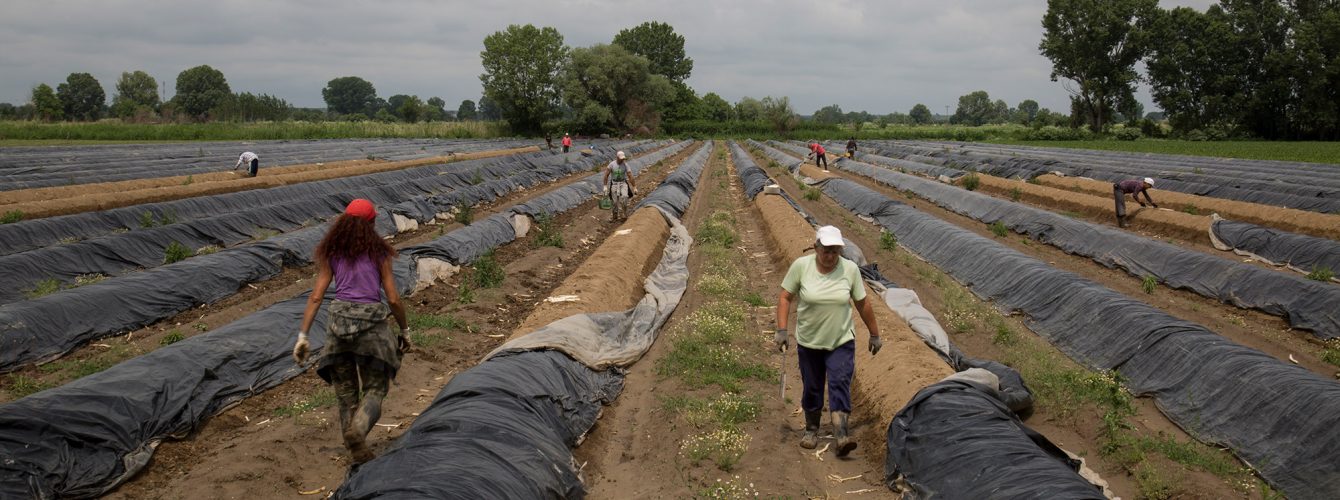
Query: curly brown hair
(353, 237)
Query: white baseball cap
(829, 236)
(619, 155)
(1150, 181)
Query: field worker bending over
(361, 356)
(567, 142)
(1132, 187)
(252, 162)
(824, 285)
(817, 150)
(619, 186)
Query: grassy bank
(14, 133)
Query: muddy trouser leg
(375, 384)
(1120, 199)
(344, 379)
(255, 166)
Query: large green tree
(489, 110)
(45, 103)
(659, 43)
(1095, 44)
(716, 108)
(135, 91)
(82, 97)
(831, 113)
(466, 111)
(611, 89)
(748, 109)
(350, 94)
(200, 89)
(522, 69)
(974, 109)
(1026, 112)
(435, 109)
(920, 114)
(1317, 41)
(778, 113)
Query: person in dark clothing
(1132, 187)
(851, 148)
(361, 354)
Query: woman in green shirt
(824, 286)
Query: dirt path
(637, 449)
(285, 441)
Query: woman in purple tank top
(361, 355)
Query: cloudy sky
(876, 55)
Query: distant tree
(409, 110)
(717, 109)
(488, 110)
(435, 110)
(45, 103)
(135, 91)
(974, 109)
(350, 94)
(248, 107)
(1130, 109)
(522, 69)
(749, 109)
(1000, 112)
(1096, 43)
(608, 88)
(466, 111)
(396, 102)
(200, 89)
(1028, 110)
(920, 114)
(82, 97)
(831, 113)
(8, 111)
(659, 43)
(778, 113)
(1195, 68)
(685, 104)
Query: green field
(1317, 152)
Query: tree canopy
(466, 111)
(45, 103)
(81, 96)
(974, 109)
(1095, 44)
(200, 89)
(659, 43)
(716, 108)
(522, 69)
(611, 89)
(350, 94)
(135, 91)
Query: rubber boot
(811, 437)
(1121, 221)
(844, 442)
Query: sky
(879, 56)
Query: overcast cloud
(877, 55)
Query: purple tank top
(357, 281)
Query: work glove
(781, 339)
(876, 344)
(634, 191)
(1142, 205)
(606, 190)
(301, 349)
(403, 341)
(1156, 205)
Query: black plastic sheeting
(956, 439)
(505, 428)
(753, 177)
(1306, 304)
(1281, 248)
(1291, 195)
(45, 328)
(88, 436)
(1278, 417)
(675, 193)
(906, 165)
(25, 168)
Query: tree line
(1242, 68)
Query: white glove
(301, 349)
(405, 345)
(606, 190)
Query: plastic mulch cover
(1278, 417)
(1306, 304)
(505, 428)
(1281, 248)
(674, 194)
(753, 177)
(956, 439)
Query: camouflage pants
(361, 358)
(619, 195)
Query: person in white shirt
(252, 161)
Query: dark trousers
(835, 367)
(255, 166)
(1120, 197)
(565, 149)
(820, 157)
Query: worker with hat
(361, 355)
(824, 286)
(567, 142)
(1132, 187)
(619, 186)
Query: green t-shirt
(824, 311)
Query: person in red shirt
(819, 157)
(567, 142)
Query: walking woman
(361, 356)
(823, 286)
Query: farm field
(1188, 355)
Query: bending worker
(361, 356)
(1132, 187)
(817, 150)
(619, 186)
(824, 285)
(252, 161)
